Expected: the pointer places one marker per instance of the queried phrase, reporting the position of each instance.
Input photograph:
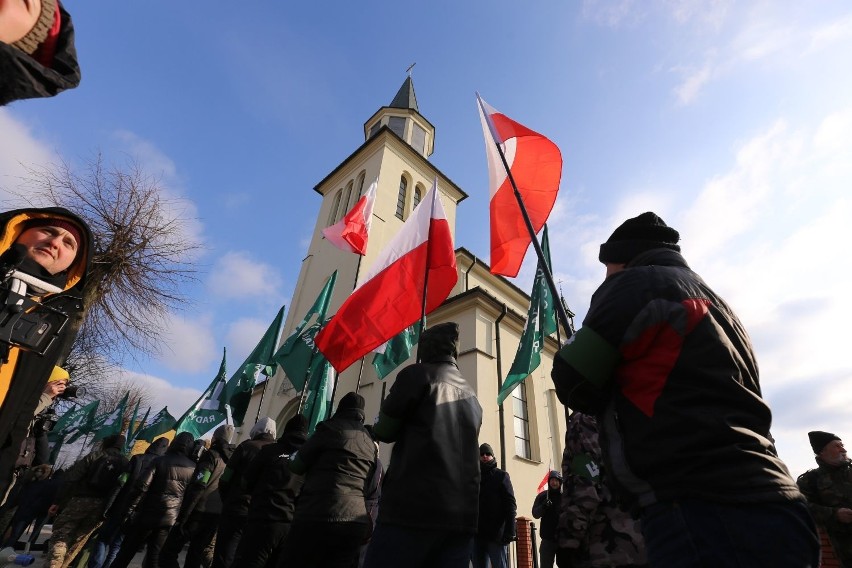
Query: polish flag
(389, 297)
(536, 166)
(350, 233)
(543, 485)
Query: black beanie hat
(351, 400)
(486, 449)
(636, 235)
(439, 341)
(296, 424)
(819, 440)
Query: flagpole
(266, 382)
(426, 270)
(560, 310)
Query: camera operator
(44, 257)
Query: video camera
(24, 322)
(72, 391)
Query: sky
(731, 120)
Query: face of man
(833, 453)
(554, 483)
(17, 18)
(55, 388)
(54, 248)
(485, 458)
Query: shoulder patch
(582, 465)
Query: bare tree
(143, 256)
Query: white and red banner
(389, 297)
(536, 166)
(350, 233)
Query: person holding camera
(44, 258)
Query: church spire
(405, 97)
(402, 117)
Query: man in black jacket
(497, 510)
(433, 416)
(202, 505)
(547, 506)
(274, 489)
(670, 371)
(159, 495)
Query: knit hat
(69, 226)
(439, 341)
(39, 32)
(636, 235)
(296, 424)
(820, 440)
(58, 374)
(351, 400)
(485, 449)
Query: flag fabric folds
(113, 422)
(298, 355)
(73, 420)
(208, 411)
(318, 399)
(162, 422)
(350, 233)
(134, 428)
(541, 322)
(389, 297)
(237, 392)
(397, 351)
(536, 166)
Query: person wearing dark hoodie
(236, 499)
(37, 53)
(497, 511)
(274, 489)
(159, 494)
(111, 534)
(338, 462)
(45, 254)
(83, 498)
(202, 504)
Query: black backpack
(105, 472)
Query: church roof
(405, 97)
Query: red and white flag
(389, 297)
(536, 166)
(350, 233)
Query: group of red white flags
(389, 297)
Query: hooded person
(44, 253)
(497, 511)
(235, 497)
(202, 505)
(37, 53)
(158, 497)
(430, 493)
(338, 462)
(274, 489)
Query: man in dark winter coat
(497, 511)
(49, 261)
(338, 462)
(159, 495)
(83, 499)
(274, 489)
(670, 371)
(547, 506)
(37, 54)
(236, 498)
(434, 417)
(202, 505)
(111, 534)
(828, 489)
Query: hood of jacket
(181, 444)
(265, 425)
(25, 78)
(158, 447)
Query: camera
(44, 422)
(72, 391)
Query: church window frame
(332, 216)
(401, 197)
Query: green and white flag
(209, 410)
(318, 401)
(74, 419)
(113, 421)
(298, 356)
(162, 422)
(135, 427)
(541, 322)
(397, 351)
(239, 387)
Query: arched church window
(418, 195)
(360, 184)
(335, 205)
(400, 200)
(344, 203)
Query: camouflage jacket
(591, 522)
(827, 489)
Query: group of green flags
(310, 373)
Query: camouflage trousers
(72, 528)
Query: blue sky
(732, 120)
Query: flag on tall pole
(396, 351)
(535, 164)
(350, 233)
(541, 322)
(208, 410)
(298, 355)
(390, 296)
(162, 422)
(113, 422)
(135, 427)
(318, 401)
(74, 419)
(238, 389)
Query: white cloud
(19, 149)
(236, 275)
(163, 393)
(611, 13)
(189, 345)
(242, 337)
(692, 83)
